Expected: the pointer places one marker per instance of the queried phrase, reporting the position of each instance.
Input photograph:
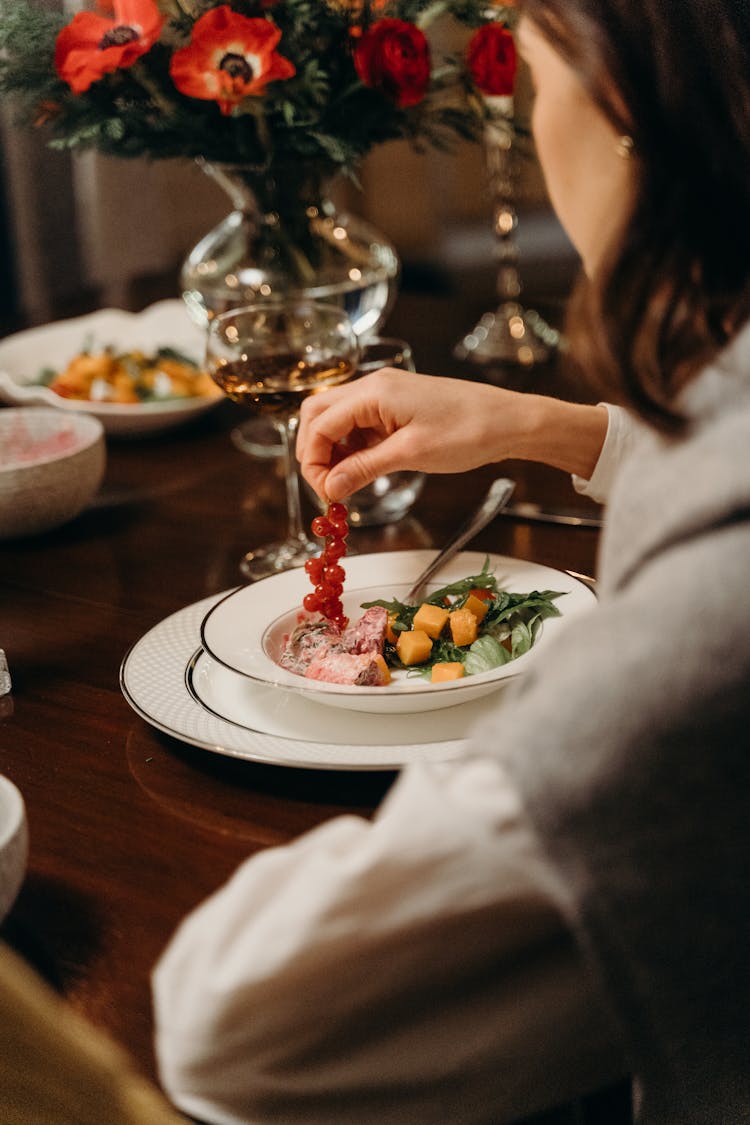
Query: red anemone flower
(91, 45)
(230, 57)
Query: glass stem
(288, 432)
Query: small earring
(625, 147)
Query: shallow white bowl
(44, 484)
(14, 843)
(165, 324)
(247, 630)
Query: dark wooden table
(129, 828)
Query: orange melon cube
(413, 647)
(477, 607)
(430, 618)
(385, 671)
(447, 670)
(390, 636)
(463, 627)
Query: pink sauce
(19, 447)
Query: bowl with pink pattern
(51, 465)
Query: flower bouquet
(278, 95)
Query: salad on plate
(466, 627)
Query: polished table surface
(129, 828)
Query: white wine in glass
(269, 357)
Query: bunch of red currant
(325, 571)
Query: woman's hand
(394, 419)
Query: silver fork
(498, 495)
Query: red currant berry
(321, 526)
(337, 511)
(311, 602)
(314, 568)
(335, 549)
(334, 573)
(339, 529)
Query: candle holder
(510, 334)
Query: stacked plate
(209, 676)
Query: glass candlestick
(510, 334)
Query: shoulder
(674, 491)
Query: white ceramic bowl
(164, 324)
(246, 631)
(51, 464)
(14, 843)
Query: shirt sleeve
(625, 436)
(408, 969)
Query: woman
(607, 801)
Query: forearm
(394, 420)
(565, 435)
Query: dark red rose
(394, 56)
(491, 58)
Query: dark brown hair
(676, 77)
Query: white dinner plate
(291, 715)
(163, 672)
(24, 355)
(247, 629)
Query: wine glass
(269, 356)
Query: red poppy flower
(491, 58)
(230, 57)
(91, 46)
(394, 56)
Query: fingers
(392, 420)
(352, 469)
(336, 426)
(334, 413)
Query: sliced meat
(336, 667)
(305, 641)
(367, 634)
(319, 650)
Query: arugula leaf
(461, 589)
(505, 605)
(508, 630)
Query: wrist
(568, 436)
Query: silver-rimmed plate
(164, 682)
(246, 631)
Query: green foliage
(323, 114)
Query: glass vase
(283, 237)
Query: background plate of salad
(32, 361)
(247, 631)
